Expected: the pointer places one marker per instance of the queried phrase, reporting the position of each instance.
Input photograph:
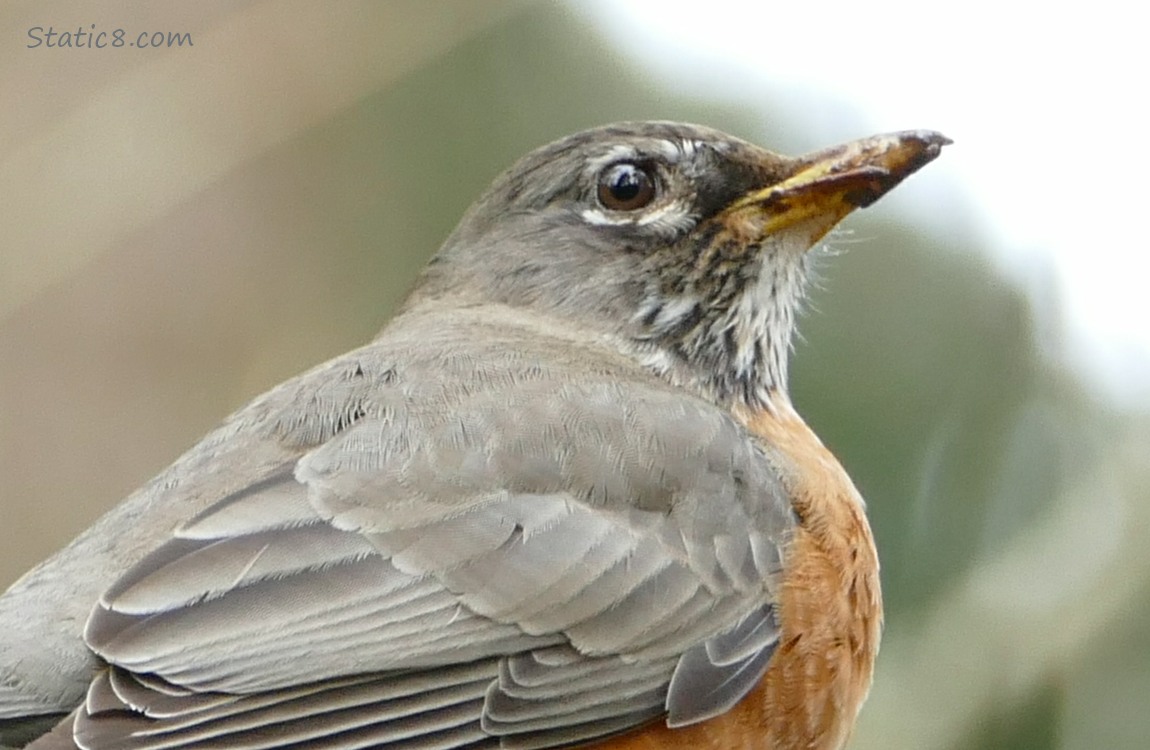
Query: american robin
(562, 499)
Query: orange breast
(831, 616)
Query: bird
(562, 499)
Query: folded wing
(521, 561)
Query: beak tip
(909, 151)
(916, 148)
(931, 141)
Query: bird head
(682, 246)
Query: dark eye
(626, 187)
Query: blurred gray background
(184, 228)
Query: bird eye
(626, 187)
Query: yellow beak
(829, 184)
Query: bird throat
(729, 337)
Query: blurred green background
(185, 228)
